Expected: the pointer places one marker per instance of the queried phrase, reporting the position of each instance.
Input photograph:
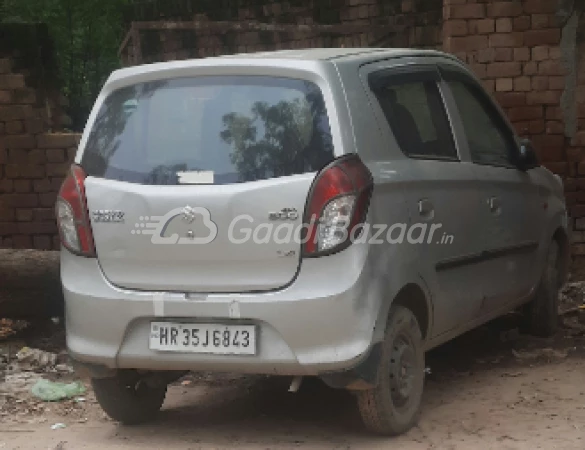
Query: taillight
(72, 215)
(337, 206)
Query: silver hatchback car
(325, 212)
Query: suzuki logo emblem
(188, 214)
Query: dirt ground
(492, 388)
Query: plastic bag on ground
(51, 391)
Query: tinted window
(210, 130)
(418, 119)
(490, 142)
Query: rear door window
(416, 115)
(210, 130)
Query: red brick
(511, 99)
(536, 126)
(32, 171)
(540, 7)
(540, 21)
(504, 25)
(530, 68)
(489, 85)
(14, 127)
(57, 140)
(544, 98)
(37, 227)
(71, 152)
(37, 156)
(5, 97)
(25, 96)
(15, 112)
(455, 28)
(5, 65)
(57, 169)
(43, 214)
(24, 215)
(465, 44)
(579, 139)
(17, 156)
(42, 242)
(540, 83)
(7, 214)
(485, 26)
(3, 156)
(504, 69)
(19, 141)
(522, 84)
(34, 125)
(21, 200)
(485, 55)
(12, 81)
(550, 68)
(22, 186)
(551, 36)
(55, 155)
(525, 113)
(6, 186)
(504, 9)
(503, 54)
(56, 243)
(555, 127)
(570, 184)
(47, 200)
(554, 113)
(467, 11)
(7, 228)
(540, 53)
(555, 53)
(504, 84)
(521, 23)
(43, 185)
(521, 54)
(479, 70)
(506, 40)
(21, 241)
(548, 154)
(560, 168)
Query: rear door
(440, 189)
(199, 184)
(511, 207)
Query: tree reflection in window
(285, 138)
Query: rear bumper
(322, 323)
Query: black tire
(541, 315)
(127, 399)
(393, 406)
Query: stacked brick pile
(32, 165)
(526, 52)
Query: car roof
(357, 56)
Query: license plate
(203, 338)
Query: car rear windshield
(209, 130)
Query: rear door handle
(494, 204)
(426, 209)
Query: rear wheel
(542, 312)
(128, 399)
(392, 406)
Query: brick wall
(32, 164)
(531, 55)
(399, 23)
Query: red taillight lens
(337, 206)
(72, 215)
